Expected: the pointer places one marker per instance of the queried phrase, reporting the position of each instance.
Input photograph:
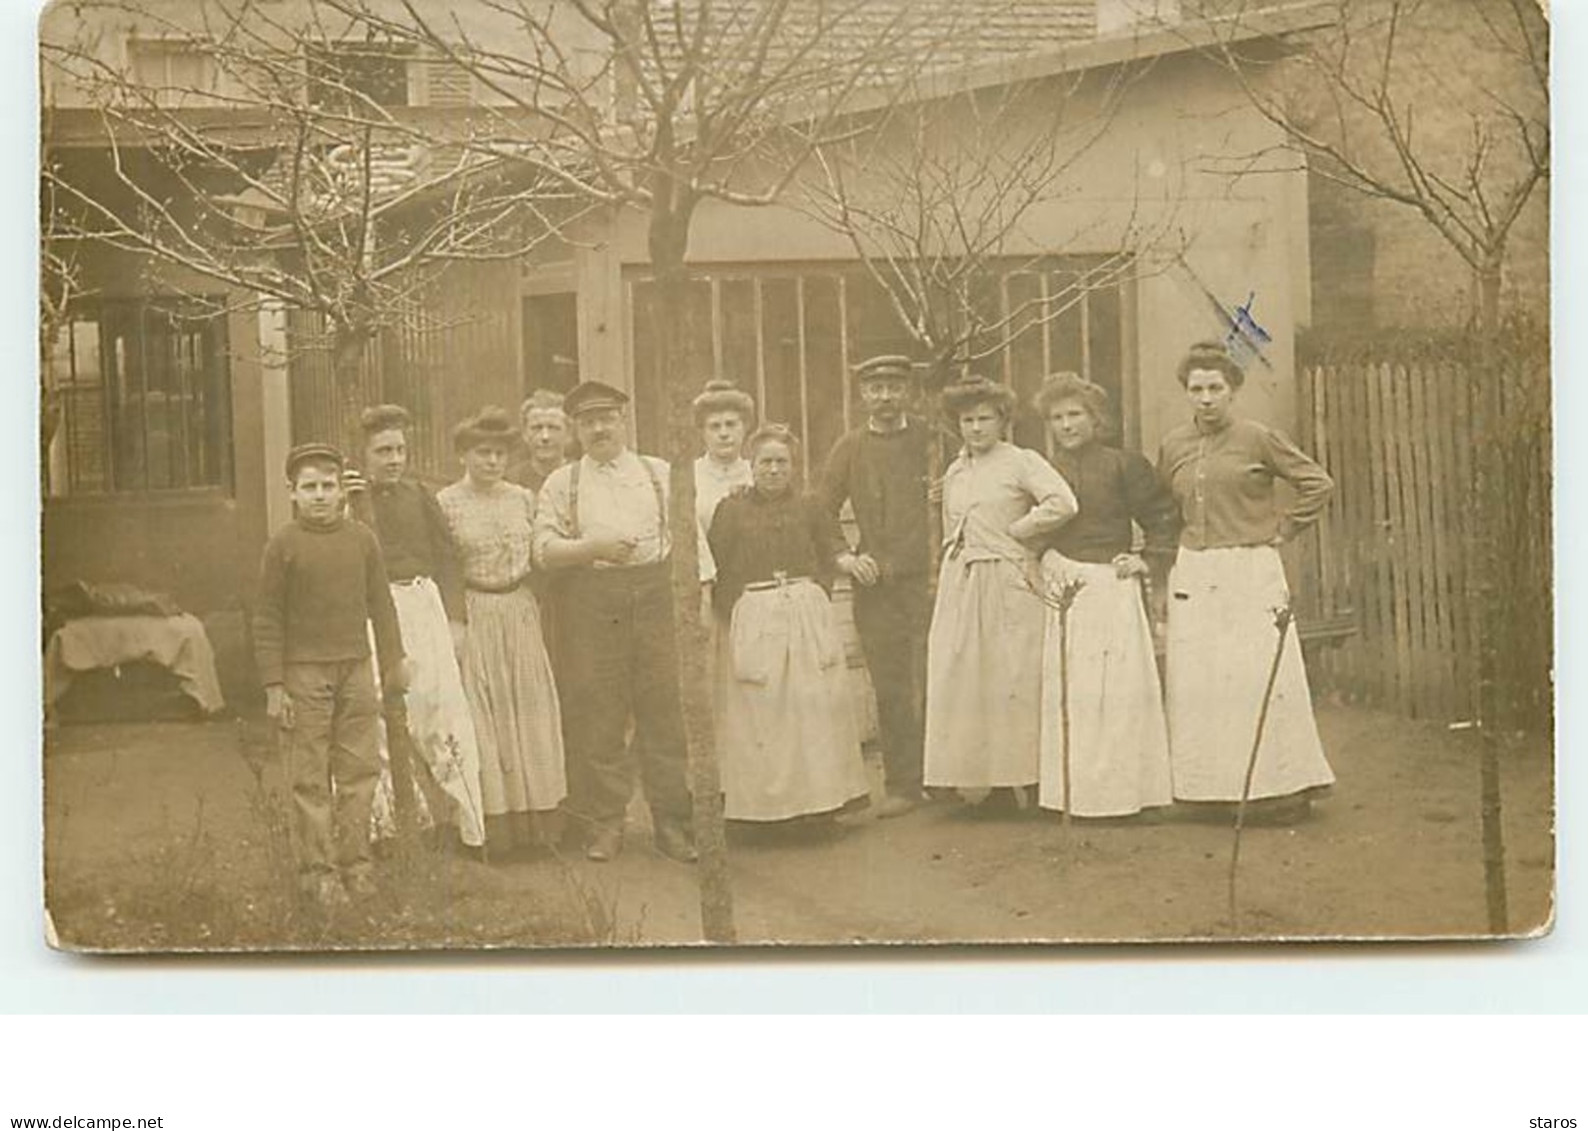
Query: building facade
(173, 398)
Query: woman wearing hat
(784, 722)
(1227, 585)
(984, 652)
(1100, 686)
(506, 673)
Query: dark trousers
(892, 617)
(332, 763)
(619, 660)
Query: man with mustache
(601, 523)
(883, 469)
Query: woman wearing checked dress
(1227, 585)
(1099, 675)
(984, 650)
(784, 721)
(505, 670)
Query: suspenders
(656, 486)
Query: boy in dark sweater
(322, 583)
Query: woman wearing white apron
(1100, 686)
(427, 589)
(984, 650)
(784, 724)
(1227, 585)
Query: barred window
(788, 335)
(137, 397)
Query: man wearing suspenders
(602, 524)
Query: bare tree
(270, 169)
(1443, 110)
(938, 200)
(659, 107)
(1439, 110)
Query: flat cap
(894, 366)
(314, 450)
(593, 396)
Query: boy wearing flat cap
(882, 468)
(322, 582)
(602, 524)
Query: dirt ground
(172, 836)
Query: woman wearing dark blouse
(785, 723)
(1118, 745)
(1227, 585)
(427, 589)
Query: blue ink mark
(1246, 338)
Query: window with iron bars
(789, 335)
(137, 399)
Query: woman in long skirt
(723, 413)
(984, 650)
(506, 674)
(788, 739)
(427, 590)
(1226, 590)
(1100, 689)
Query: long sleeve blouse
(493, 528)
(416, 541)
(714, 482)
(997, 505)
(1224, 480)
(755, 537)
(1115, 488)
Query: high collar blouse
(415, 540)
(1224, 480)
(996, 503)
(714, 482)
(1115, 488)
(493, 529)
(758, 537)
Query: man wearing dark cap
(883, 469)
(322, 580)
(602, 524)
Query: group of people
(524, 617)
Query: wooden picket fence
(1393, 552)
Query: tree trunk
(349, 345)
(674, 332)
(1484, 579)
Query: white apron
(1118, 742)
(983, 677)
(785, 724)
(1222, 639)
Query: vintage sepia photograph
(656, 473)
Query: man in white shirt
(602, 525)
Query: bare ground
(172, 836)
